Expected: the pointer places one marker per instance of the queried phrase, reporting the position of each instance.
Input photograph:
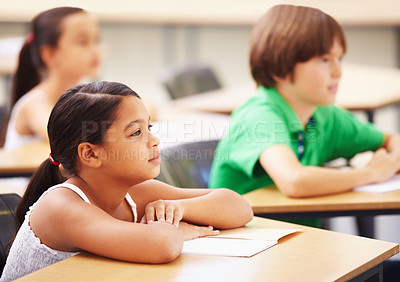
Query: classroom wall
(136, 54)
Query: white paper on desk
(226, 247)
(390, 185)
(239, 242)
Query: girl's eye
(136, 133)
(150, 127)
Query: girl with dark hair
(102, 196)
(61, 48)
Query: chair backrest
(3, 124)
(3, 115)
(190, 80)
(8, 206)
(188, 165)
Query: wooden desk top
(23, 160)
(271, 200)
(311, 255)
(362, 88)
(208, 12)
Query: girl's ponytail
(25, 78)
(27, 75)
(44, 177)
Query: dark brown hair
(94, 105)
(287, 35)
(46, 29)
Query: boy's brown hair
(287, 35)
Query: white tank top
(28, 254)
(13, 138)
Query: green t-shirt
(267, 119)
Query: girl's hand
(190, 231)
(162, 210)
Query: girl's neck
(99, 193)
(54, 86)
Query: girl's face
(130, 152)
(77, 53)
(315, 82)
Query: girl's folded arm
(220, 208)
(76, 225)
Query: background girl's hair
(82, 114)
(287, 35)
(46, 29)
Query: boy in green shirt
(286, 133)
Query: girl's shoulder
(35, 94)
(35, 98)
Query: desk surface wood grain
(271, 200)
(310, 255)
(24, 159)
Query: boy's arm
(296, 180)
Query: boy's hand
(383, 165)
(190, 231)
(162, 210)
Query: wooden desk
(270, 202)
(311, 255)
(362, 87)
(23, 160)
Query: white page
(238, 242)
(267, 234)
(390, 185)
(226, 247)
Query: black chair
(8, 206)
(391, 270)
(191, 80)
(3, 124)
(3, 115)
(188, 165)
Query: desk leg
(371, 275)
(370, 116)
(366, 226)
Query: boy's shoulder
(332, 114)
(329, 111)
(257, 108)
(265, 102)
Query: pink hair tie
(53, 161)
(30, 37)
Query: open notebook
(240, 242)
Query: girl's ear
(89, 156)
(47, 53)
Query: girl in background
(61, 49)
(96, 191)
